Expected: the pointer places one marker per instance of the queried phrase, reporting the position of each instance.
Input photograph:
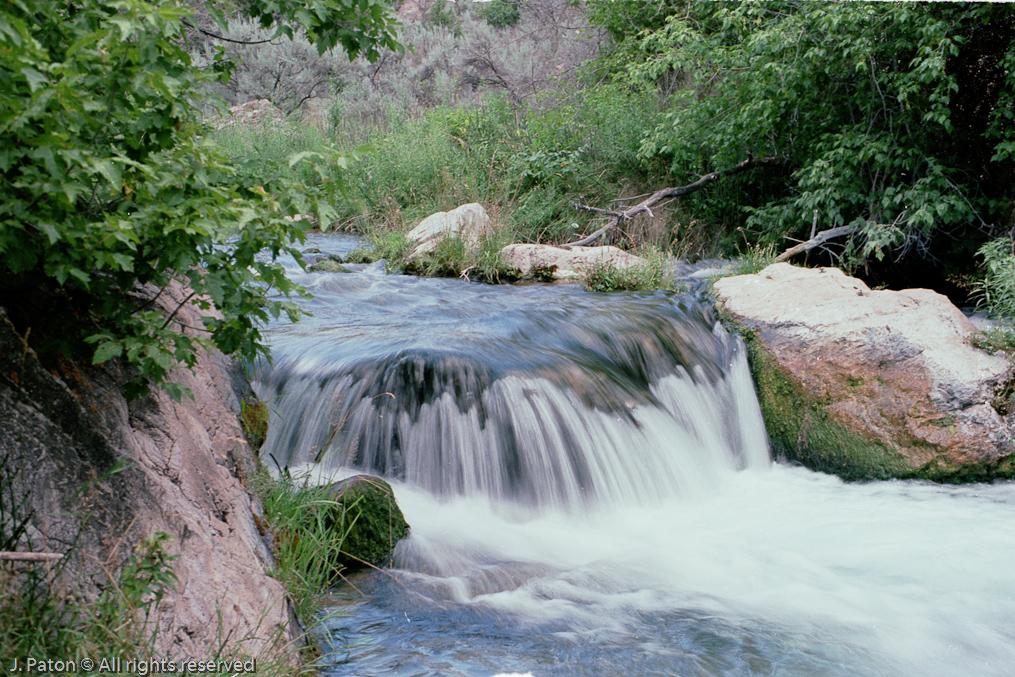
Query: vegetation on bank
(902, 140)
(41, 617)
(110, 189)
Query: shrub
(996, 291)
(902, 133)
(111, 192)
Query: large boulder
(469, 222)
(542, 260)
(871, 384)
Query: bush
(111, 192)
(894, 119)
(500, 13)
(996, 291)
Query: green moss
(254, 419)
(801, 430)
(373, 522)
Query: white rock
(469, 222)
(565, 263)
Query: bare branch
(815, 241)
(29, 556)
(660, 195)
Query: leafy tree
(109, 191)
(895, 119)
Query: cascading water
(589, 489)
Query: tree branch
(655, 198)
(816, 241)
(222, 37)
(29, 556)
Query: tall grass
(309, 527)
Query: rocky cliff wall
(62, 431)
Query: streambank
(90, 475)
(869, 384)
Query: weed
(653, 274)
(997, 340)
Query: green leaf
(106, 351)
(36, 80)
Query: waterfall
(632, 400)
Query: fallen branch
(816, 241)
(30, 556)
(616, 217)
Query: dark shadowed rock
(374, 521)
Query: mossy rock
(801, 429)
(372, 521)
(327, 265)
(254, 420)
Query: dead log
(29, 556)
(816, 241)
(618, 216)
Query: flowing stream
(590, 492)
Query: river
(590, 492)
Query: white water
(779, 569)
(646, 535)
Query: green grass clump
(997, 340)
(452, 257)
(653, 274)
(309, 528)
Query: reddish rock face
(64, 433)
(842, 368)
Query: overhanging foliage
(109, 190)
(894, 118)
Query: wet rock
(377, 523)
(871, 384)
(547, 261)
(469, 222)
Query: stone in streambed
(377, 524)
(470, 222)
(561, 264)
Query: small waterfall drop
(542, 401)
